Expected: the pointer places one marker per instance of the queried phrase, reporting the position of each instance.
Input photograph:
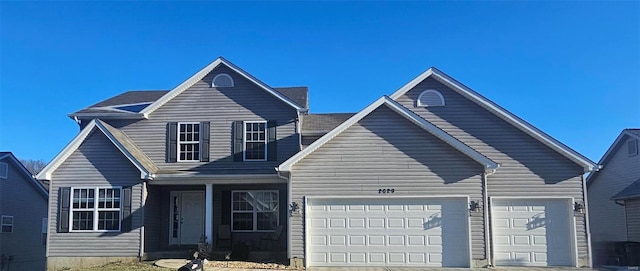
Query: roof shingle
(323, 123)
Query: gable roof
(299, 95)
(38, 185)
(320, 124)
(632, 191)
(119, 139)
(633, 133)
(502, 113)
(403, 111)
(202, 73)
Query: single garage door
(388, 232)
(533, 232)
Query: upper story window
(222, 80)
(255, 141)
(95, 209)
(188, 141)
(430, 97)
(4, 170)
(7, 224)
(632, 146)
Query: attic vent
(222, 80)
(632, 145)
(430, 97)
(4, 170)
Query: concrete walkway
(177, 263)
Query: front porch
(241, 221)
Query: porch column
(208, 210)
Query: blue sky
(570, 68)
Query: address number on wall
(386, 190)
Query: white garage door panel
(533, 232)
(388, 232)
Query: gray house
(23, 217)
(433, 175)
(614, 197)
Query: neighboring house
(434, 175)
(614, 197)
(23, 211)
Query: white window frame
(213, 82)
(96, 210)
(255, 211)
(244, 140)
(634, 151)
(43, 232)
(179, 142)
(4, 168)
(420, 104)
(3, 224)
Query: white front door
(533, 232)
(388, 232)
(187, 217)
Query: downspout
(143, 202)
(586, 214)
(288, 215)
(487, 226)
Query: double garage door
(388, 232)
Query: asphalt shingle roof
(634, 131)
(323, 123)
(632, 190)
(298, 95)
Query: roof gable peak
(202, 73)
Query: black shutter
(238, 135)
(272, 141)
(64, 197)
(126, 209)
(172, 142)
(204, 141)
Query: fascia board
(46, 172)
(610, 151)
(486, 162)
(26, 173)
(144, 173)
(442, 135)
(519, 123)
(286, 165)
(114, 115)
(201, 74)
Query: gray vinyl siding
(528, 167)
(385, 150)
(606, 217)
(21, 198)
(96, 163)
(221, 106)
(153, 233)
(632, 208)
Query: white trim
(202, 73)
(178, 141)
(413, 117)
(255, 211)
(517, 122)
(213, 82)
(572, 220)
(4, 167)
(2, 224)
(26, 172)
(610, 151)
(420, 104)
(244, 140)
(96, 210)
(47, 172)
(307, 210)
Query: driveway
(448, 269)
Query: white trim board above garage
(487, 163)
